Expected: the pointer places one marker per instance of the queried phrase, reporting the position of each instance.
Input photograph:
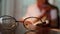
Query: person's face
(41, 1)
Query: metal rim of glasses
(29, 18)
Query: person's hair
(47, 2)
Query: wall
(0, 6)
(7, 7)
(57, 3)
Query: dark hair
(47, 2)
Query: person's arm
(43, 13)
(54, 18)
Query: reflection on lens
(30, 26)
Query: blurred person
(41, 8)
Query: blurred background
(17, 9)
